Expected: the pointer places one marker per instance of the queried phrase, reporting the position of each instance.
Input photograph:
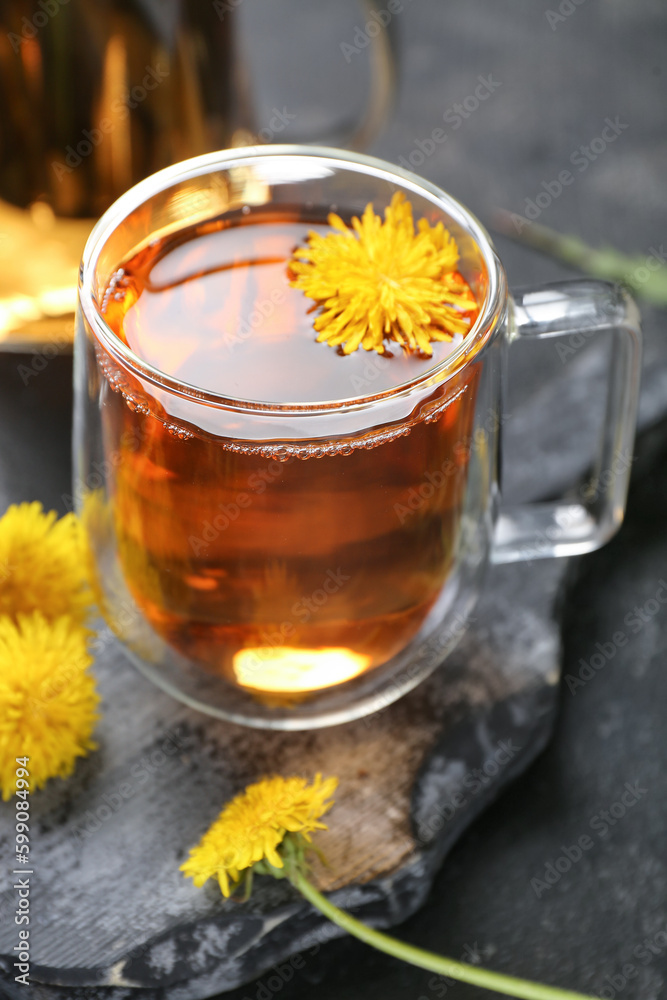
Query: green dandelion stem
(644, 275)
(495, 981)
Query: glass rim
(490, 313)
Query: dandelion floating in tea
(384, 281)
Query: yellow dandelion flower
(383, 281)
(42, 564)
(251, 828)
(285, 811)
(48, 699)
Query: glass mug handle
(562, 528)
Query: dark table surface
(601, 925)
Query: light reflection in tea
(288, 670)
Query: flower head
(41, 564)
(251, 828)
(48, 701)
(284, 811)
(383, 281)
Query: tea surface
(216, 310)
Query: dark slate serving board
(112, 909)
(114, 918)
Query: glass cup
(297, 565)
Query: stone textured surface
(113, 908)
(606, 915)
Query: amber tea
(282, 570)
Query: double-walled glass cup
(302, 564)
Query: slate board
(111, 908)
